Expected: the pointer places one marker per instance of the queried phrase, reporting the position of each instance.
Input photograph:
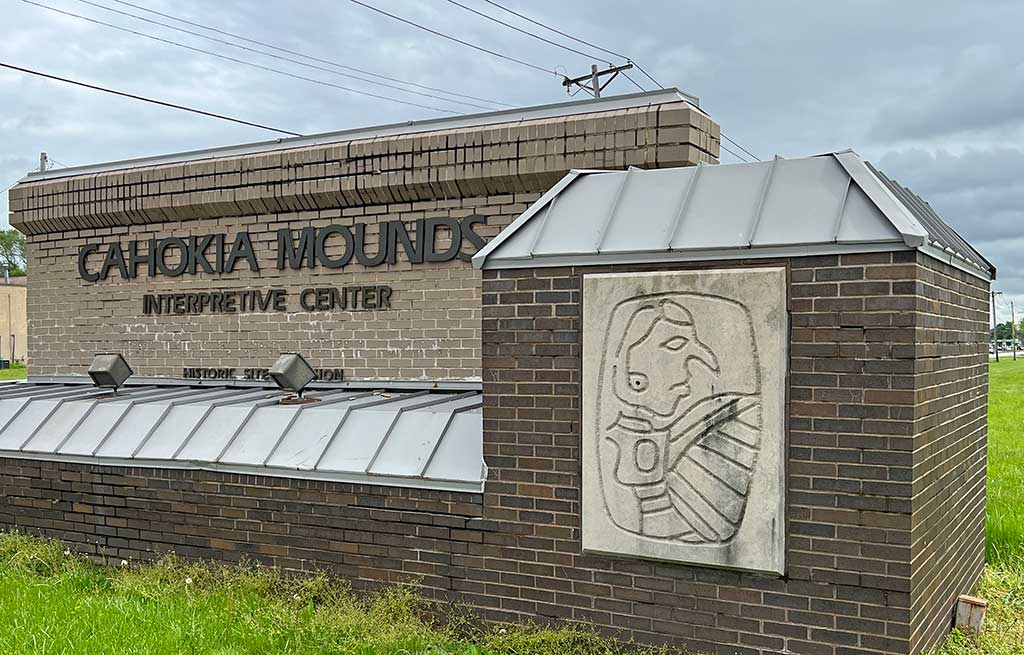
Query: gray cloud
(980, 90)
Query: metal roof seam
(241, 425)
(898, 214)
(295, 417)
(348, 412)
(756, 219)
(398, 416)
(214, 393)
(684, 202)
(842, 210)
(229, 401)
(128, 408)
(603, 232)
(46, 418)
(525, 217)
(444, 433)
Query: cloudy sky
(930, 90)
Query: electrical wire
(626, 75)
(239, 61)
(145, 99)
(740, 147)
(528, 33)
(742, 159)
(455, 39)
(640, 68)
(309, 57)
(281, 58)
(547, 27)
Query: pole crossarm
(592, 81)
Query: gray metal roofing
(426, 439)
(552, 110)
(784, 207)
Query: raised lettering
(83, 260)
(294, 256)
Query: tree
(12, 251)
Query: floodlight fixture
(292, 372)
(109, 370)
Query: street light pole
(995, 335)
(1013, 331)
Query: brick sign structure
(733, 408)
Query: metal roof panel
(380, 437)
(826, 204)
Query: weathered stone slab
(684, 378)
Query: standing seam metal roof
(785, 207)
(426, 439)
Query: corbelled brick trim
(433, 327)
(505, 158)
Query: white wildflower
(124, 562)
(188, 581)
(67, 552)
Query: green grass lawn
(52, 601)
(19, 373)
(1005, 524)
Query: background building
(14, 318)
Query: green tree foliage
(12, 251)
(1004, 330)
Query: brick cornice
(523, 156)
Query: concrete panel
(684, 383)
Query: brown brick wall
(854, 581)
(951, 432)
(433, 330)
(865, 569)
(371, 535)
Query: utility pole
(995, 335)
(592, 81)
(43, 162)
(1013, 331)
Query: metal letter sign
(333, 246)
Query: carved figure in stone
(679, 416)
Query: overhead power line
(739, 157)
(293, 52)
(740, 147)
(65, 80)
(528, 33)
(238, 61)
(455, 39)
(559, 32)
(545, 40)
(630, 60)
(275, 56)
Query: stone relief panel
(684, 378)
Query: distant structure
(14, 318)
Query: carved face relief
(679, 420)
(665, 362)
(683, 434)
